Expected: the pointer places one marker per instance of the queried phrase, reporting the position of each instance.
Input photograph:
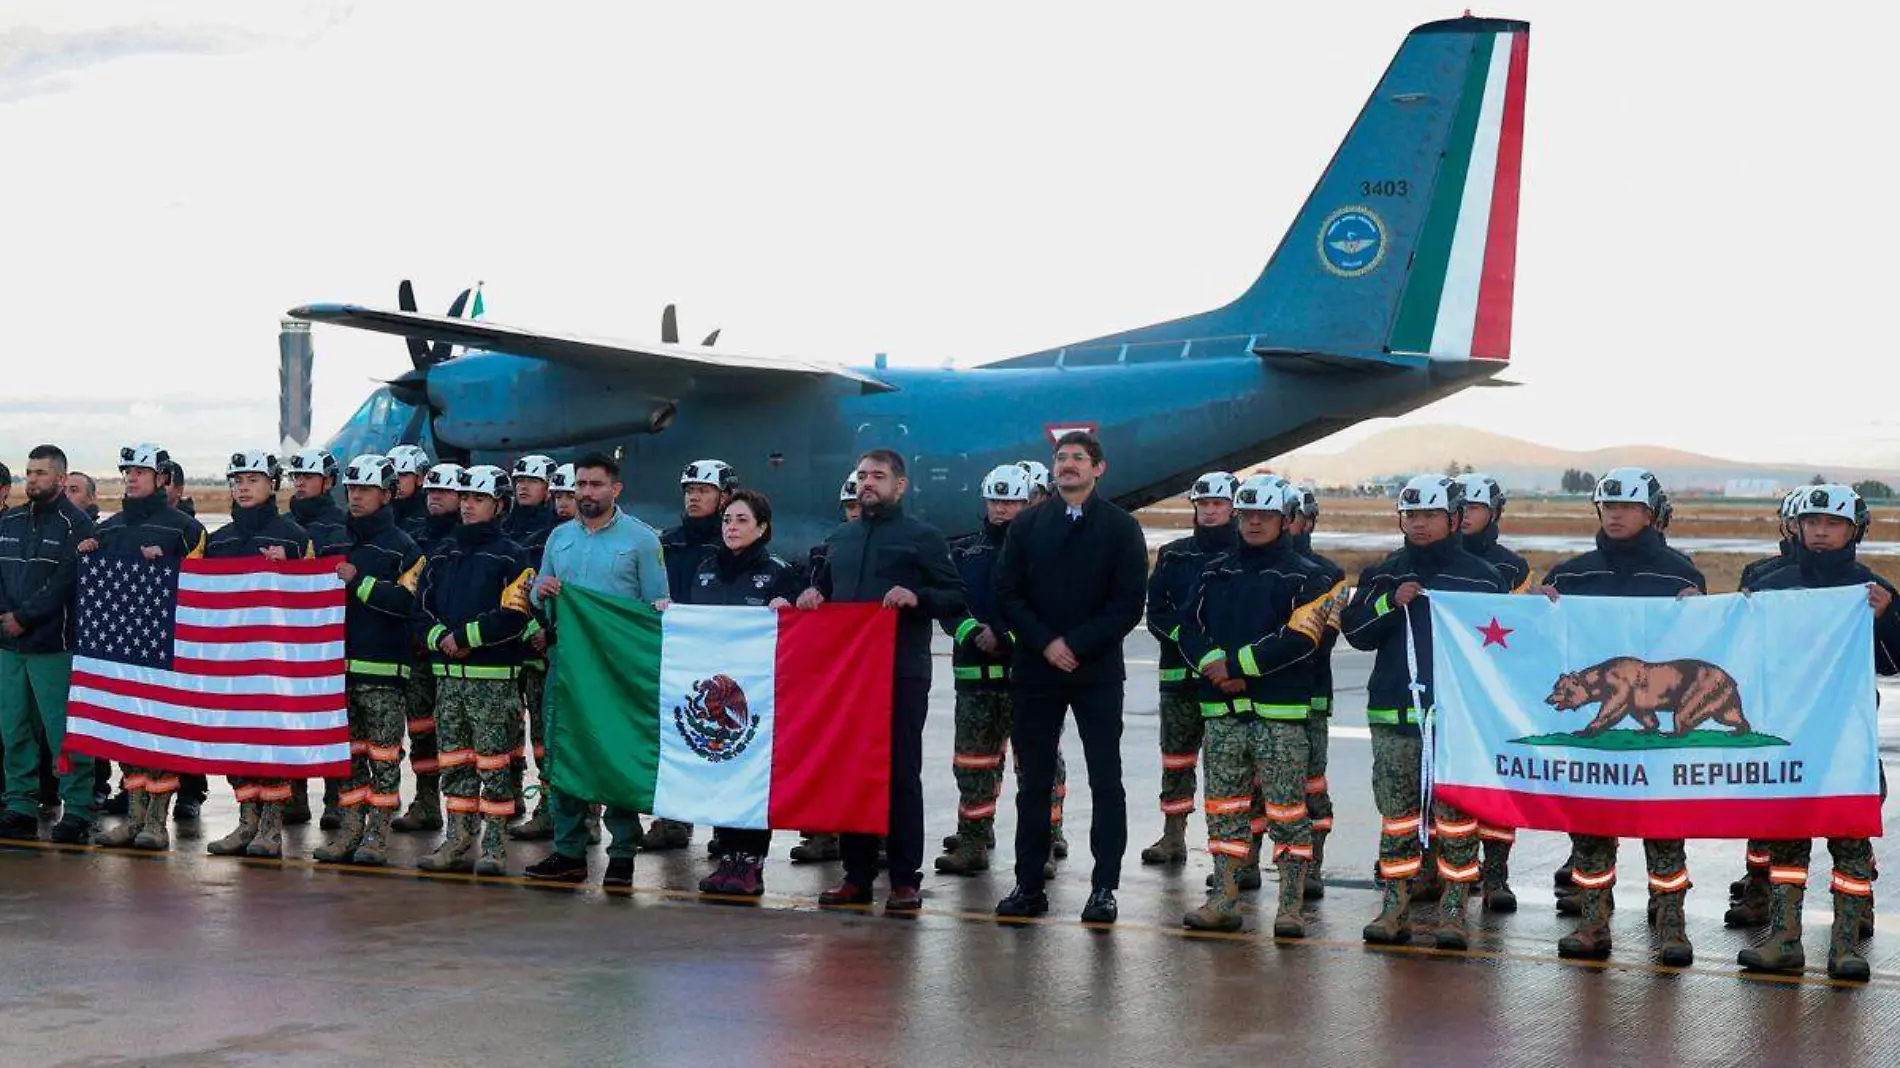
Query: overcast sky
(1703, 256)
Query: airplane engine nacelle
(489, 400)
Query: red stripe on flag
(288, 635)
(192, 732)
(256, 565)
(1841, 816)
(283, 669)
(831, 727)
(1491, 334)
(145, 758)
(259, 599)
(220, 702)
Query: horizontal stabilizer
(590, 354)
(1302, 361)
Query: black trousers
(755, 843)
(910, 703)
(1036, 735)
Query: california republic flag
(736, 717)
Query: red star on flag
(1494, 634)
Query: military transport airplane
(1392, 288)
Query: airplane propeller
(412, 386)
(670, 329)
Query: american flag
(220, 667)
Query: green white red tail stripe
(1457, 301)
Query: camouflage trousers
(1319, 797)
(1853, 874)
(1245, 753)
(479, 724)
(378, 713)
(1395, 789)
(1183, 729)
(1593, 863)
(419, 704)
(533, 682)
(983, 721)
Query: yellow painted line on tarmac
(779, 903)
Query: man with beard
(146, 527)
(893, 559)
(39, 565)
(606, 551)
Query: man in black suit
(1071, 584)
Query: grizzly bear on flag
(1695, 691)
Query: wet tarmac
(110, 959)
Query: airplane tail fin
(1407, 245)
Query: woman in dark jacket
(742, 573)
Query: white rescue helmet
(410, 460)
(1791, 503)
(1006, 482)
(311, 462)
(1309, 503)
(534, 465)
(1482, 489)
(1432, 493)
(1266, 493)
(1214, 486)
(1038, 475)
(715, 473)
(848, 493)
(1836, 500)
(441, 477)
(145, 455)
(485, 479)
(562, 480)
(255, 462)
(1629, 485)
(376, 472)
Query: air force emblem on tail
(1352, 241)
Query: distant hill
(1526, 465)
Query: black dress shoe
(1101, 907)
(558, 868)
(619, 872)
(1022, 904)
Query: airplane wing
(591, 354)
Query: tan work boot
(664, 835)
(816, 849)
(1853, 914)
(1782, 951)
(1389, 928)
(538, 825)
(968, 858)
(1751, 908)
(457, 851)
(1221, 911)
(1171, 847)
(1315, 886)
(1591, 939)
(425, 812)
(342, 845)
(494, 847)
(1453, 932)
(1672, 930)
(1288, 921)
(156, 832)
(373, 847)
(233, 844)
(1494, 878)
(120, 837)
(269, 839)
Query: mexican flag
(735, 717)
